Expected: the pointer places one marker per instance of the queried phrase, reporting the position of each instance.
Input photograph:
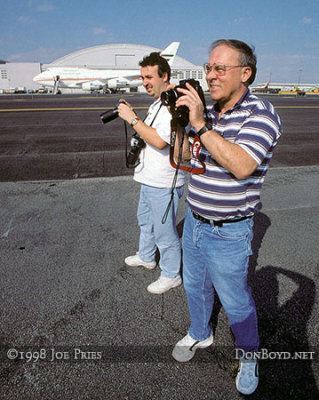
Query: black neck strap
(154, 116)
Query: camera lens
(169, 97)
(109, 115)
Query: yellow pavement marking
(110, 108)
(64, 109)
(296, 107)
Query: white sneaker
(135, 261)
(248, 377)
(164, 284)
(185, 349)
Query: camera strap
(195, 153)
(126, 138)
(175, 176)
(196, 146)
(154, 116)
(126, 155)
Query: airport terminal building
(109, 57)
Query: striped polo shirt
(216, 194)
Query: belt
(219, 222)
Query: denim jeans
(216, 258)
(154, 234)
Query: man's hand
(192, 101)
(126, 112)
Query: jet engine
(118, 83)
(94, 85)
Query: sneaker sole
(184, 359)
(246, 392)
(166, 290)
(140, 265)
(252, 389)
(190, 354)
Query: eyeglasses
(220, 69)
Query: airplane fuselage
(79, 77)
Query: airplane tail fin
(170, 52)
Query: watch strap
(205, 128)
(134, 121)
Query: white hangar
(109, 57)
(125, 56)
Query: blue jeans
(216, 258)
(154, 234)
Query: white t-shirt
(154, 168)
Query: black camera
(169, 98)
(109, 115)
(137, 143)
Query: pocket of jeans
(236, 231)
(240, 231)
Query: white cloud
(45, 7)
(26, 19)
(99, 31)
(242, 20)
(306, 20)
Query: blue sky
(285, 33)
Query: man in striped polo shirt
(237, 136)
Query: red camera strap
(195, 152)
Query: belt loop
(218, 223)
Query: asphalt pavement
(77, 323)
(62, 137)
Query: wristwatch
(135, 121)
(205, 128)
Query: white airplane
(297, 88)
(261, 87)
(97, 79)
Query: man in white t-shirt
(156, 175)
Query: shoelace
(186, 343)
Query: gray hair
(247, 54)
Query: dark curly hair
(156, 59)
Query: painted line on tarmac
(297, 167)
(307, 207)
(296, 107)
(99, 97)
(65, 109)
